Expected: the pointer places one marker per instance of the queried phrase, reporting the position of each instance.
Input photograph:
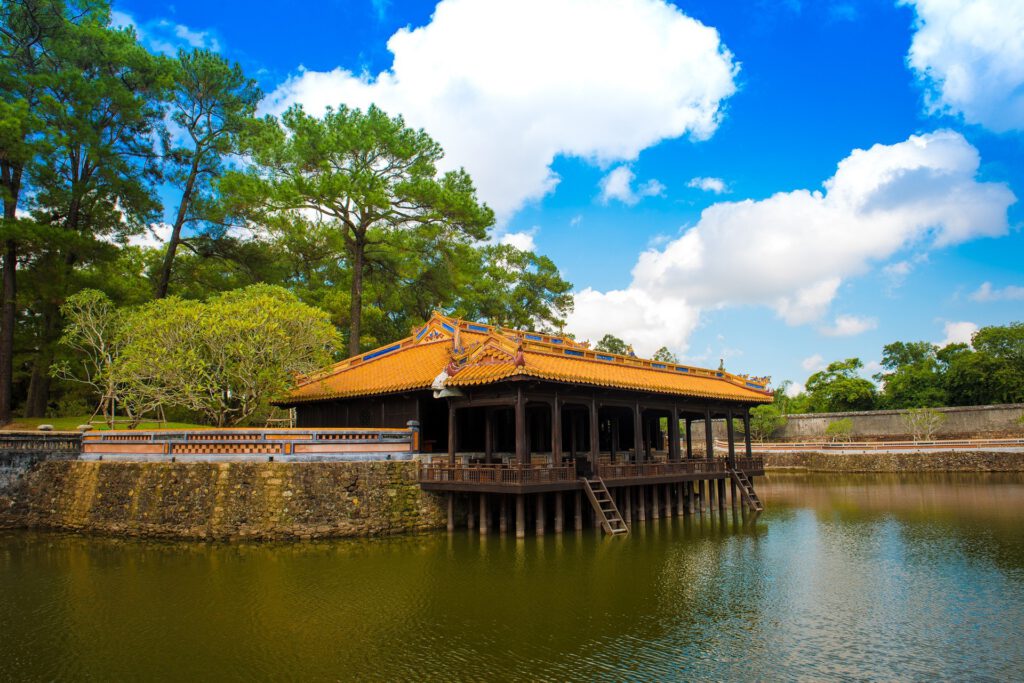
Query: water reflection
(858, 577)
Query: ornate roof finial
(721, 364)
(457, 338)
(520, 360)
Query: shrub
(765, 421)
(840, 430)
(922, 423)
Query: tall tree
(364, 176)
(211, 101)
(914, 375)
(612, 344)
(840, 388)
(94, 179)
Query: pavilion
(505, 415)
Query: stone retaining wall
(225, 500)
(945, 461)
(965, 421)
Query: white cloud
(163, 36)
(792, 251)
(618, 185)
(522, 240)
(155, 236)
(958, 333)
(969, 55)
(986, 293)
(646, 322)
(507, 86)
(794, 389)
(813, 363)
(716, 185)
(849, 326)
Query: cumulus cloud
(849, 326)
(618, 185)
(813, 363)
(986, 292)
(792, 251)
(958, 333)
(522, 240)
(716, 185)
(163, 36)
(507, 86)
(969, 56)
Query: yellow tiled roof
(488, 356)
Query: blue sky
(589, 126)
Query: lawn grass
(70, 424)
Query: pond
(854, 576)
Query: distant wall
(19, 451)
(226, 500)
(948, 461)
(965, 421)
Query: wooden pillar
(452, 435)
(470, 515)
(559, 512)
(655, 507)
(689, 438)
(520, 516)
(628, 492)
(540, 514)
(711, 494)
(730, 432)
(732, 483)
(573, 426)
(641, 503)
(667, 490)
(702, 502)
(556, 432)
(522, 447)
(709, 439)
(488, 434)
(579, 511)
(451, 512)
(484, 521)
(746, 433)
(503, 515)
(673, 436)
(690, 504)
(638, 433)
(594, 408)
(721, 494)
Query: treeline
(921, 375)
(101, 139)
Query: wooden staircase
(604, 506)
(747, 491)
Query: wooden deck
(541, 478)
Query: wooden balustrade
(684, 467)
(496, 474)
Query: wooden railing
(258, 444)
(755, 464)
(660, 469)
(500, 475)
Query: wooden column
(540, 514)
(711, 494)
(746, 432)
(470, 514)
(522, 447)
(503, 515)
(721, 494)
(681, 498)
(559, 512)
(690, 504)
(638, 433)
(488, 433)
(730, 433)
(673, 436)
(579, 511)
(703, 495)
(668, 499)
(655, 507)
(709, 437)
(556, 432)
(641, 503)
(520, 516)
(451, 512)
(689, 438)
(628, 492)
(452, 435)
(594, 452)
(484, 521)
(732, 483)
(574, 417)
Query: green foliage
(993, 372)
(839, 430)
(838, 388)
(225, 358)
(922, 423)
(665, 356)
(915, 376)
(766, 420)
(612, 344)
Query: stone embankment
(940, 461)
(236, 500)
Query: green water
(856, 577)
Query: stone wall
(20, 451)
(946, 461)
(998, 420)
(225, 500)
